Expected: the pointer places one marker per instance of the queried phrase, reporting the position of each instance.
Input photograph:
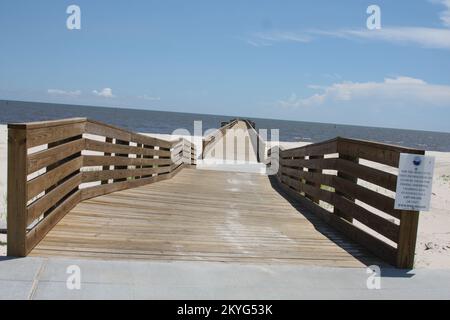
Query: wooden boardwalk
(200, 215)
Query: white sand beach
(433, 245)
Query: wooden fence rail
(53, 165)
(355, 196)
(210, 140)
(257, 140)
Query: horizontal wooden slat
(375, 245)
(177, 149)
(100, 190)
(35, 235)
(96, 128)
(382, 153)
(109, 131)
(312, 177)
(47, 201)
(311, 190)
(90, 161)
(317, 149)
(40, 136)
(123, 149)
(372, 198)
(44, 158)
(45, 124)
(383, 226)
(381, 146)
(381, 178)
(377, 223)
(91, 176)
(48, 179)
(368, 196)
(146, 140)
(323, 164)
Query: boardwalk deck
(201, 215)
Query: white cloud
(149, 98)
(58, 92)
(392, 91)
(445, 14)
(105, 93)
(436, 38)
(263, 39)
(425, 37)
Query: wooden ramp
(200, 216)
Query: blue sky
(294, 60)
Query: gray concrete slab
(39, 278)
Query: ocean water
(167, 122)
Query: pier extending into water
(80, 188)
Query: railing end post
(409, 222)
(17, 192)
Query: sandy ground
(433, 245)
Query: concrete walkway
(40, 278)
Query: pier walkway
(200, 215)
(78, 188)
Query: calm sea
(167, 122)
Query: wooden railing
(210, 140)
(259, 143)
(54, 165)
(351, 185)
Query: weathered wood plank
(46, 180)
(383, 226)
(44, 203)
(322, 164)
(409, 222)
(17, 192)
(381, 178)
(375, 245)
(44, 158)
(41, 136)
(148, 222)
(45, 124)
(97, 128)
(377, 152)
(93, 161)
(317, 149)
(123, 149)
(372, 198)
(91, 176)
(35, 235)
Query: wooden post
(17, 192)
(406, 245)
(147, 157)
(315, 184)
(106, 154)
(126, 143)
(342, 175)
(193, 155)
